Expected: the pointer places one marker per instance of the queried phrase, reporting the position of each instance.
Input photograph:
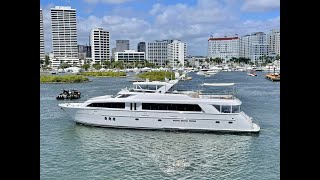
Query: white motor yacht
(156, 105)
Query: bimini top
(217, 84)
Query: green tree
(97, 66)
(234, 59)
(86, 66)
(277, 57)
(207, 60)
(107, 64)
(244, 60)
(117, 64)
(217, 60)
(46, 60)
(64, 65)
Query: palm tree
(217, 60)
(47, 60)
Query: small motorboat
(250, 74)
(69, 94)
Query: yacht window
(113, 96)
(171, 107)
(124, 95)
(108, 105)
(217, 107)
(235, 109)
(225, 109)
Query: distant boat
(251, 72)
(53, 72)
(69, 94)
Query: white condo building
(274, 42)
(177, 51)
(42, 56)
(100, 45)
(254, 46)
(129, 56)
(224, 48)
(157, 52)
(64, 36)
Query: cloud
(191, 24)
(260, 5)
(107, 1)
(119, 27)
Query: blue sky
(192, 21)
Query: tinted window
(108, 105)
(171, 107)
(235, 109)
(125, 95)
(217, 107)
(226, 109)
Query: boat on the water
(251, 72)
(159, 105)
(69, 94)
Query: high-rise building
(254, 46)
(64, 35)
(274, 42)
(176, 53)
(224, 48)
(85, 49)
(122, 45)
(113, 51)
(156, 52)
(100, 45)
(42, 55)
(141, 47)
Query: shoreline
(63, 82)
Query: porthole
(217, 121)
(137, 119)
(105, 118)
(159, 120)
(110, 118)
(114, 119)
(230, 122)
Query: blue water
(72, 151)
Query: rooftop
(222, 39)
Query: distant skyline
(192, 21)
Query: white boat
(156, 105)
(209, 72)
(251, 72)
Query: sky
(191, 21)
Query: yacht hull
(185, 121)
